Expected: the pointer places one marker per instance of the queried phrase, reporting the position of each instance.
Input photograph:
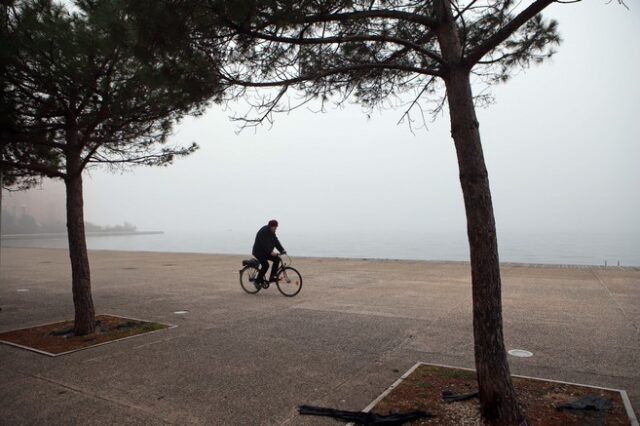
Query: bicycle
(289, 280)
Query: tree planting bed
(422, 388)
(59, 339)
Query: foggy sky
(561, 146)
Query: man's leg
(274, 267)
(264, 266)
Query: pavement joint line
(364, 313)
(103, 356)
(228, 323)
(98, 397)
(348, 379)
(624, 314)
(633, 420)
(155, 342)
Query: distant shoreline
(551, 248)
(64, 234)
(509, 264)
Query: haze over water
(519, 247)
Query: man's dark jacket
(265, 243)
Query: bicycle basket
(251, 262)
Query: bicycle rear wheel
(289, 281)
(248, 276)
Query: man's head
(273, 224)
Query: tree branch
(143, 159)
(355, 15)
(37, 168)
(87, 159)
(476, 54)
(48, 144)
(369, 14)
(272, 105)
(415, 102)
(339, 40)
(322, 74)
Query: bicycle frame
(283, 263)
(287, 275)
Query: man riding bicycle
(263, 250)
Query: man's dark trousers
(264, 265)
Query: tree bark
(85, 317)
(498, 400)
(497, 396)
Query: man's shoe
(257, 283)
(273, 279)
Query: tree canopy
(84, 72)
(376, 53)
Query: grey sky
(561, 144)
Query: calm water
(547, 248)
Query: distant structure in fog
(45, 203)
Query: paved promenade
(240, 359)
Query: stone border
(633, 421)
(169, 327)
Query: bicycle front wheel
(289, 281)
(248, 276)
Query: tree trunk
(85, 317)
(497, 397)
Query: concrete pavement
(239, 359)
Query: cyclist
(263, 250)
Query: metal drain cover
(520, 353)
(181, 312)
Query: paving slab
(239, 359)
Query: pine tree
(79, 89)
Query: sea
(554, 248)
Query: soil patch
(424, 388)
(59, 338)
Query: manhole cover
(520, 353)
(181, 312)
(23, 290)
